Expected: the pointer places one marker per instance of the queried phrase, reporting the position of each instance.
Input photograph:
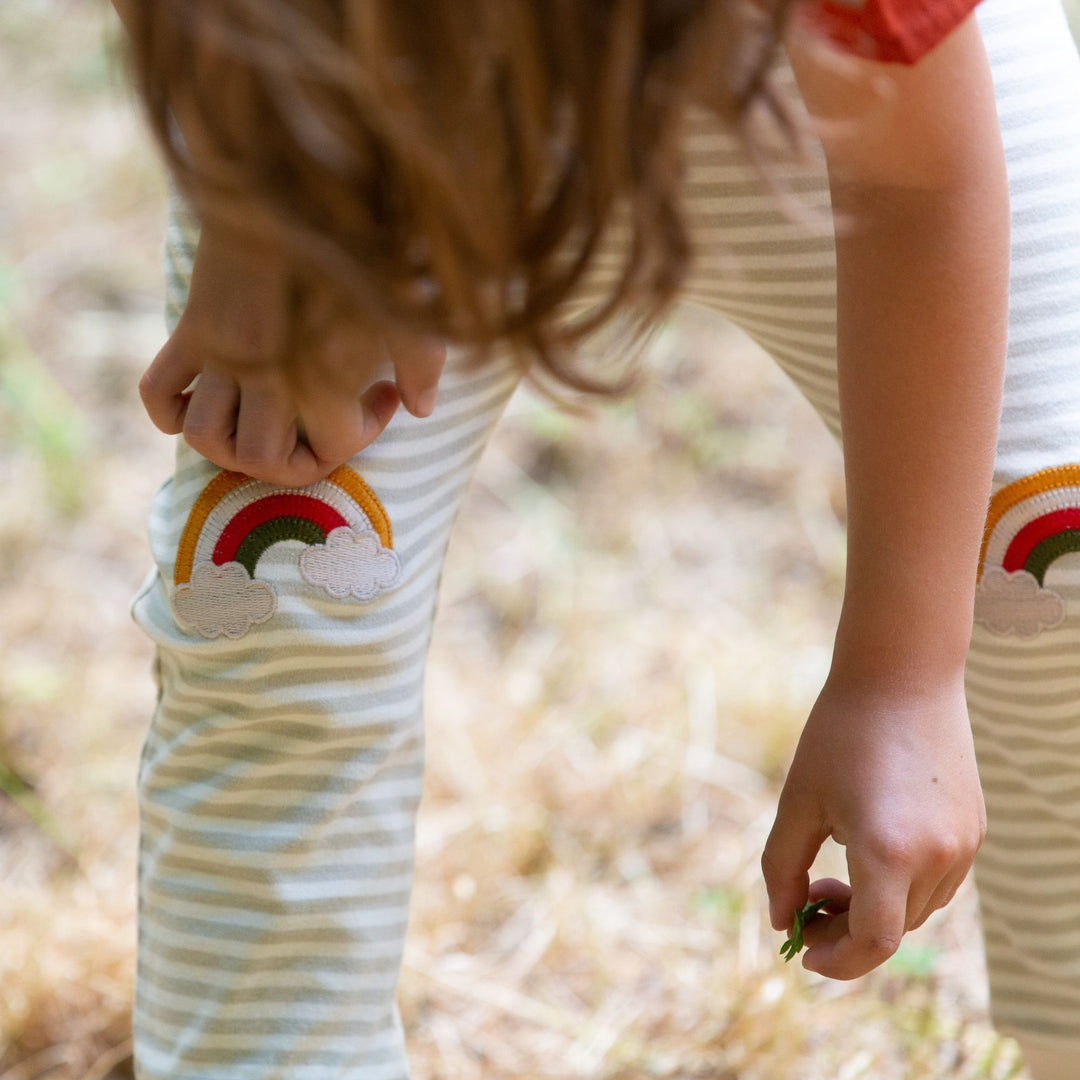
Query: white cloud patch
(1015, 603)
(223, 600)
(352, 563)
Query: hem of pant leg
(259, 1072)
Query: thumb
(163, 384)
(790, 850)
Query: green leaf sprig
(794, 943)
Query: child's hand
(891, 775)
(243, 413)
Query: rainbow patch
(348, 547)
(1031, 524)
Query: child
(280, 777)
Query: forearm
(923, 285)
(920, 197)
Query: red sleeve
(893, 31)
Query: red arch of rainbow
(284, 506)
(1042, 541)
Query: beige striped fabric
(1023, 680)
(280, 776)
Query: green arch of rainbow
(269, 533)
(1044, 553)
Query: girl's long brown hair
(451, 167)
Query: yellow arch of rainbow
(343, 477)
(1013, 494)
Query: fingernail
(425, 403)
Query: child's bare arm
(886, 764)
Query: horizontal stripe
(300, 920)
(384, 930)
(1058, 709)
(1053, 866)
(1041, 914)
(326, 1018)
(362, 860)
(313, 1067)
(198, 959)
(318, 989)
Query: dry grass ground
(636, 616)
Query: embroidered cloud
(1015, 603)
(223, 600)
(353, 563)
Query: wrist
(889, 646)
(882, 697)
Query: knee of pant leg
(354, 557)
(289, 606)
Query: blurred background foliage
(636, 616)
